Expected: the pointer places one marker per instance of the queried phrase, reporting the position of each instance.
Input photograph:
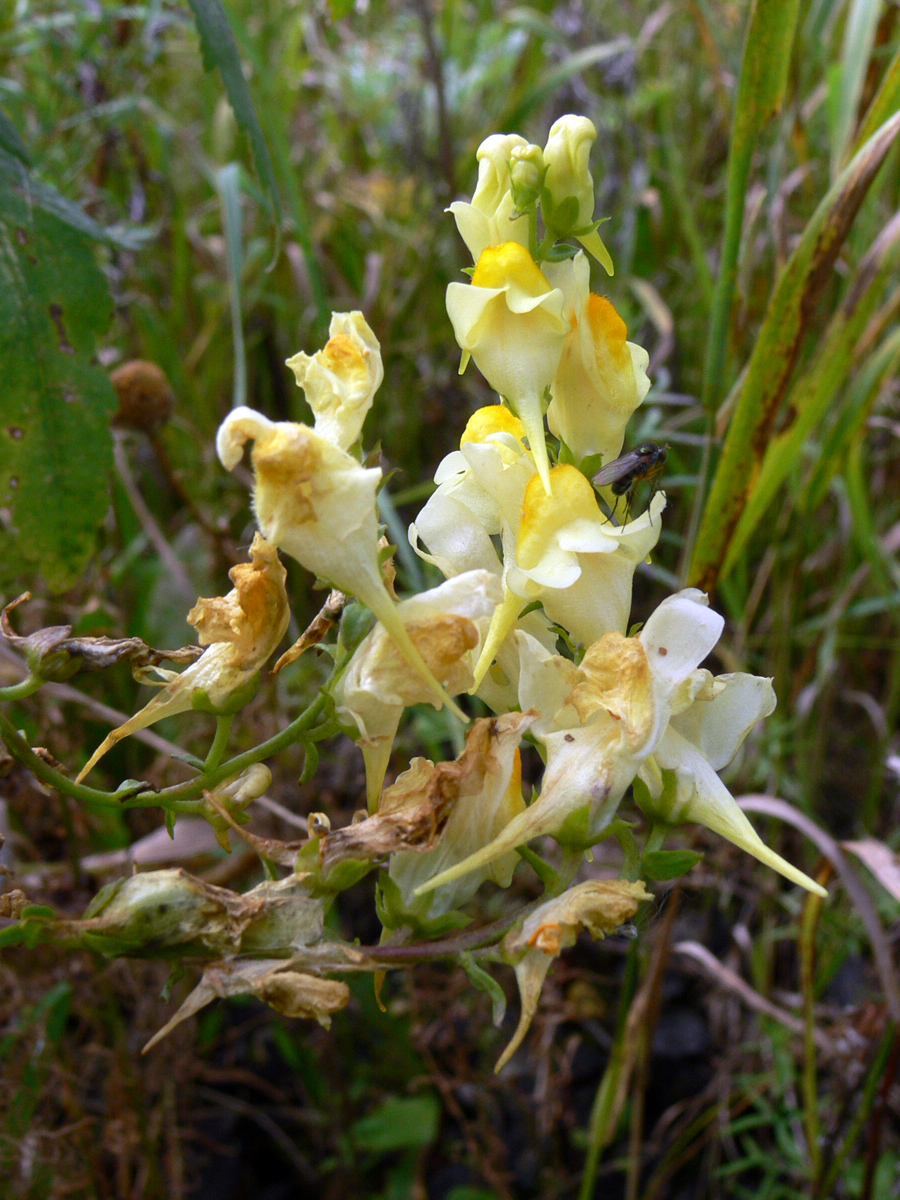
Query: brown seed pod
(145, 396)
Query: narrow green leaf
(220, 51)
(767, 54)
(788, 318)
(885, 103)
(850, 74)
(55, 437)
(228, 185)
(815, 389)
(15, 177)
(10, 140)
(881, 366)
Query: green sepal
(668, 864)
(356, 621)
(310, 761)
(485, 982)
(393, 914)
(238, 699)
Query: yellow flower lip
(493, 418)
(511, 263)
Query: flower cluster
(531, 565)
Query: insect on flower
(623, 474)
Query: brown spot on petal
(662, 652)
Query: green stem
(178, 796)
(25, 687)
(599, 1132)
(220, 741)
(807, 946)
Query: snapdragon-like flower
(488, 219)
(599, 906)
(602, 377)
(446, 624)
(618, 714)
(510, 320)
(340, 380)
(559, 549)
(241, 630)
(567, 202)
(489, 796)
(316, 502)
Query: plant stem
(220, 741)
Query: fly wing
(624, 465)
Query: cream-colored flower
(488, 219)
(446, 624)
(241, 630)
(341, 380)
(567, 204)
(316, 502)
(629, 708)
(558, 549)
(599, 906)
(602, 377)
(510, 320)
(489, 796)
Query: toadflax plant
(533, 618)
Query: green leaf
(34, 193)
(850, 74)
(669, 864)
(398, 1123)
(57, 444)
(220, 51)
(485, 982)
(771, 28)
(10, 140)
(813, 393)
(788, 319)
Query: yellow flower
(602, 377)
(567, 202)
(510, 320)
(446, 624)
(488, 219)
(241, 630)
(599, 906)
(341, 380)
(316, 502)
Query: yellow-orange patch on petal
(615, 676)
(499, 266)
(609, 330)
(543, 515)
(493, 418)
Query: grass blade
(788, 319)
(764, 67)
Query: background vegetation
(744, 1043)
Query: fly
(623, 474)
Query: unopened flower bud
(526, 176)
